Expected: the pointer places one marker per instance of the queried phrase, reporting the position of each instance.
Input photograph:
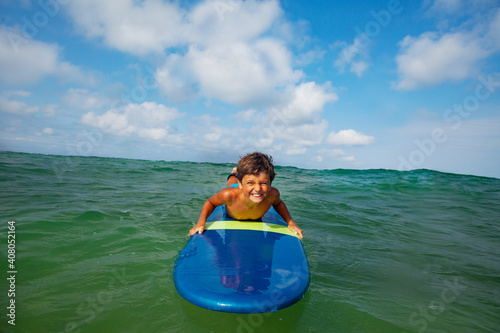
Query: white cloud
(292, 127)
(309, 57)
(246, 116)
(447, 6)
(355, 56)
(206, 134)
(153, 26)
(176, 80)
(359, 68)
(232, 51)
(25, 60)
(228, 50)
(333, 152)
(129, 26)
(295, 125)
(493, 34)
(9, 104)
(304, 103)
(240, 21)
(336, 154)
(148, 120)
(457, 8)
(430, 59)
(433, 58)
(66, 72)
(48, 131)
(84, 99)
(349, 138)
(350, 159)
(239, 73)
(212, 136)
(49, 109)
(294, 140)
(297, 139)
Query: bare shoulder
(228, 194)
(274, 194)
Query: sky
(316, 84)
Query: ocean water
(96, 240)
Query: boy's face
(256, 187)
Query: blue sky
(324, 84)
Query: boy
(253, 196)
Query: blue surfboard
(243, 266)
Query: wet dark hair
(254, 164)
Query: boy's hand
(197, 229)
(295, 229)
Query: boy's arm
(207, 209)
(281, 209)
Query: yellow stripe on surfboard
(249, 225)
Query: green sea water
(96, 240)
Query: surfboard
(243, 266)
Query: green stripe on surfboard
(249, 225)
